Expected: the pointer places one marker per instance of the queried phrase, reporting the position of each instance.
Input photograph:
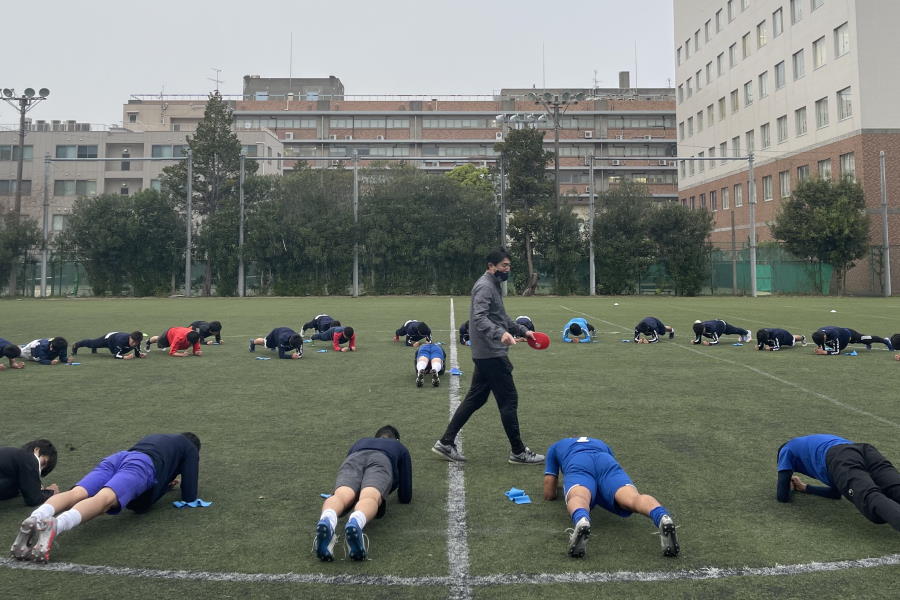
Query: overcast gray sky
(94, 54)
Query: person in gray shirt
(491, 332)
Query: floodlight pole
(45, 249)
(189, 210)
(241, 229)
(592, 291)
(885, 241)
(503, 284)
(752, 191)
(355, 224)
(552, 103)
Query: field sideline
(697, 427)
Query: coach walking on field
(491, 332)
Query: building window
(738, 195)
(123, 191)
(179, 150)
(11, 152)
(822, 112)
(819, 52)
(699, 121)
(745, 45)
(763, 84)
(796, 11)
(767, 188)
(723, 152)
(824, 167)
(688, 88)
(722, 108)
(697, 77)
(709, 75)
(720, 64)
(59, 223)
(680, 93)
(74, 187)
(784, 183)
(681, 131)
(687, 49)
(799, 65)
(725, 202)
(779, 75)
(711, 152)
(745, 4)
(730, 6)
(85, 151)
(750, 139)
(132, 118)
(814, 4)
(706, 31)
(156, 184)
(678, 55)
(681, 168)
(748, 93)
(8, 187)
(800, 121)
(762, 34)
(732, 55)
(802, 173)
(710, 115)
(702, 200)
(718, 20)
(713, 201)
(736, 146)
(701, 164)
(690, 126)
(841, 40)
(777, 23)
(844, 104)
(765, 136)
(848, 165)
(735, 101)
(781, 128)
(691, 168)
(697, 41)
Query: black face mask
(501, 275)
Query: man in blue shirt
(47, 351)
(132, 479)
(592, 476)
(774, 339)
(577, 330)
(288, 342)
(856, 471)
(651, 328)
(713, 330)
(10, 351)
(121, 345)
(832, 340)
(430, 358)
(374, 468)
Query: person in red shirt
(338, 336)
(178, 340)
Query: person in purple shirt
(374, 468)
(855, 471)
(592, 476)
(132, 479)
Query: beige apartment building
(800, 84)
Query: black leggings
(868, 480)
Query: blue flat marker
(263, 358)
(193, 504)
(73, 364)
(323, 350)
(325, 495)
(737, 344)
(455, 371)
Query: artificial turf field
(697, 427)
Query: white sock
(436, 365)
(44, 511)
(421, 364)
(359, 517)
(67, 520)
(329, 515)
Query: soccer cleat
(356, 541)
(435, 379)
(420, 378)
(25, 539)
(746, 338)
(147, 345)
(526, 457)
(447, 451)
(672, 333)
(667, 538)
(803, 341)
(75, 349)
(579, 537)
(325, 539)
(46, 535)
(887, 342)
(252, 346)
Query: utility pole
(28, 100)
(552, 104)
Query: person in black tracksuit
(208, 329)
(713, 330)
(774, 339)
(320, 323)
(288, 342)
(832, 340)
(21, 470)
(414, 331)
(121, 345)
(651, 328)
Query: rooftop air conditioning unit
(348, 137)
(648, 137)
(663, 163)
(588, 134)
(587, 161)
(332, 137)
(620, 137)
(288, 135)
(335, 163)
(587, 189)
(379, 137)
(615, 163)
(498, 136)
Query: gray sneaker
(579, 537)
(25, 539)
(526, 457)
(667, 538)
(447, 452)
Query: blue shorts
(430, 352)
(601, 475)
(128, 474)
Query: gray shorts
(366, 468)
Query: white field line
(457, 529)
(587, 577)
(797, 386)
